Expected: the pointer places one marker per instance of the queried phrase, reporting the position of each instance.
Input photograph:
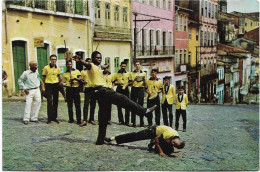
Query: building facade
(33, 30)
(153, 33)
(112, 32)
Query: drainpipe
(6, 24)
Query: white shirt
(29, 80)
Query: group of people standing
(99, 86)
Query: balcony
(181, 68)
(154, 50)
(112, 33)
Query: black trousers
(150, 103)
(106, 97)
(165, 107)
(93, 102)
(52, 95)
(88, 95)
(73, 96)
(137, 95)
(119, 108)
(136, 136)
(180, 112)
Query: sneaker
(108, 139)
(93, 122)
(36, 121)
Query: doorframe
(26, 54)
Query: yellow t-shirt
(154, 86)
(74, 74)
(96, 77)
(139, 78)
(51, 74)
(84, 76)
(121, 79)
(108, 79)
(166, 131)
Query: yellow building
(193, 49)
(251, 24)
(33, 30)
(112, 32)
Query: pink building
(181, 43)
(154, 39)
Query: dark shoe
(26, 122)
(93, 122)
(35, 121)
(184, 130)
(55, 120)
(48, 122)
(108, 139)
(121, 123)
(109, 122)
(134, 125)
(142, 125)
(84, 123)
(70, 121)
(176, 129)
(99, 143)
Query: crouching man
(163, 136)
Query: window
(245, 24)
(157, 37)
(201, 37)
(197, 34)
(185, 24)
(107, 11)
(78, 5)
(181, 23)
(125, 14)
(40, 4)
(215, 38)
(16, 2)
(176, 57)
(97, 9)
(170, 38)
(184, 56)
(116, 64)
(116, 13)
(209, 11)
(205, 38)
(176, 22)
(60, 5)
(189, 58)
(216, 10)
(189, 33)
(209, 39)
(151, 38)
(164, 4)
(169, 5)
(158, 3)
(107, 61)
(202, 7)
(206, 8)
(212, 11)
(180, 56)
(251, 23)
(150, 2)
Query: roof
(230, 49)
(252, 35)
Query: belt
(98, 87)
(33, 88)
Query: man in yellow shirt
(181, 101)
(120, 79)
(88, 100)
(168, 98)
(159, 134)
(72, 77)
(153, 88)
(51, 81)
(106, 96)
(137, 80)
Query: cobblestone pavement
(218, 138)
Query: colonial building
(152, 30)
(205, 13)
(112, 32)
(182, 58)
(33, 30)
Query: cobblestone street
(218, 137)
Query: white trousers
(32, 106)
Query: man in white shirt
(29, 81)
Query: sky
(244, 6)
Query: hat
(167, 77)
